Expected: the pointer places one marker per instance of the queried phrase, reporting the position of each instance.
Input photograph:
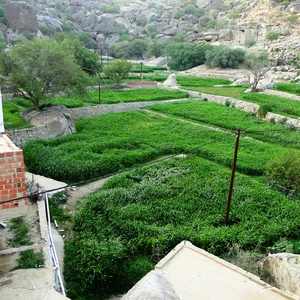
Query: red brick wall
(12, 179)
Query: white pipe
(52, 247)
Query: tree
(128, 49)
(85, 58)
(117, 70)
(40, 67)
(272, 35)
(182, 56)
(156, 49)
(285, 170)
(256, 63)
(224, 57)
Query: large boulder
(283, 271)
(171, 81)
(56, 118)
(21, 16)
(50, 22)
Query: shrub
(272, 35)
(29, 259)
(292, 19)
(250, 43)
(264, 109)
(224, 57)
(285, 170)
(182, 56)
(20, 231)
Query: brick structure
(12, 179)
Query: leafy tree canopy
(85, 58)
(182, 56)
(40, 67)
(156, 48)
(128, 49)
(224, 57)
(117, 70)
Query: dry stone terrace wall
(21, 137)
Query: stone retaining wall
(238, 104)
(21, 137)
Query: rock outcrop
(283, 271)
(56, 118)
(21, 17)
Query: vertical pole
(141, 71)
(99, 88)
(232, 175)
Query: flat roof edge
(242, 272)
(7, 144)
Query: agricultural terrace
(157, 199)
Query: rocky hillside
(238, 23)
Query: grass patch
(150, 210)
(226, 91)
(230, 118)
(117, 96)
(136, 68)
(11, 112)
(20, 231)
(292, 88)
(278, 105)
(190, 81)
(133, 138)
(29, 259)
(55, 206)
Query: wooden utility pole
(141, 73)
(232, 175)
(99, 88)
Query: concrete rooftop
(196, 274)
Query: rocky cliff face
(241, 23)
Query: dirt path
(77, 194)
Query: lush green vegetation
(116, 96)
(189, 81)
(276, 104)
(182, 56)
(12, 111)
(29, 259)
(122, 230)
(293, 88)
(227, 91)
(279, 105)
(138, 217)
(229, 118)
(20, 233)
(133, 138)
(146, 69)
(224, 57)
